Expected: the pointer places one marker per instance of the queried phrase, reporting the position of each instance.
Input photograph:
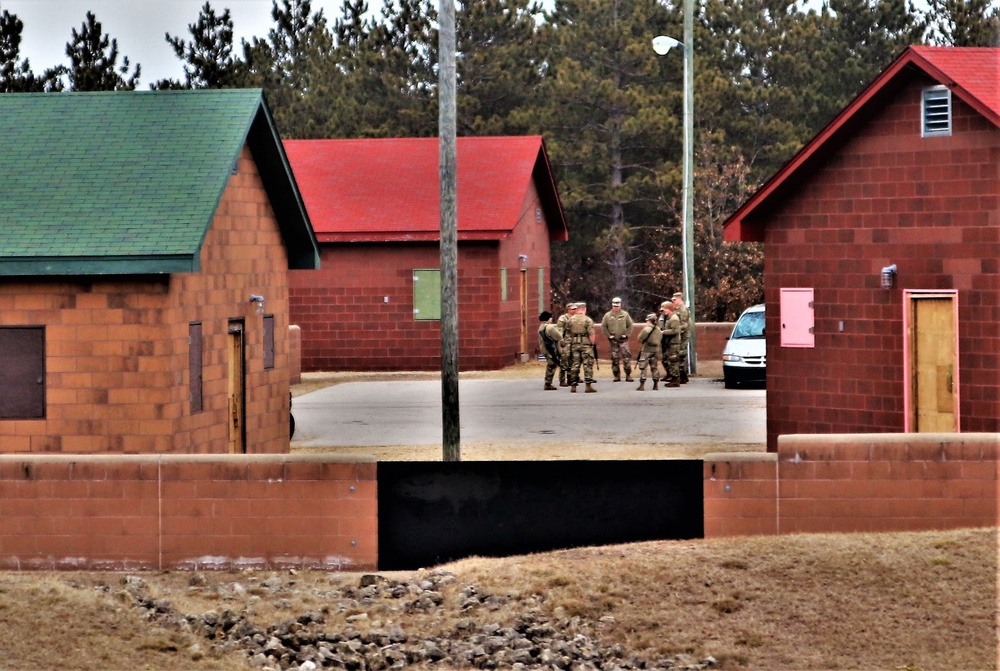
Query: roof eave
(746, 223)
(88, 266)
(548, 194)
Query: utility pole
(447, 114)
(688, 209)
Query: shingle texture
(389, 189)
(114, 180)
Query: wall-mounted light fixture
(259, 300)
(888, 276)
(522, 261)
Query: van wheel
(729, 382)
(291, 425)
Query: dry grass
(899, 602)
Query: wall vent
(936, 108)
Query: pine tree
(208, 57)
(966, 23)
(94, 61)
(16, 75)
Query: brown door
(933, 371)
(237, 389)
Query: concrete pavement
(374, 413)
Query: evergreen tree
(208, 57)
(966, 23)
(16, 75)
(499, 63)
(609, 128)
(94, 61)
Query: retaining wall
(855, 483)
(188, 512)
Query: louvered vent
(936, 112)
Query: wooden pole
(451, 443)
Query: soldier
(671, 343)
(617, 326)
(682, 312)
(549, 337)
(649, 338)
(563, 324)
(581, 342)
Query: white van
(744, 358)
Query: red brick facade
(929, 205)
(117, 353)
(854, 483)
(188, 512)
(356, 312)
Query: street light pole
(661, 45)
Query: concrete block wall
(930, 205)
(188, 512)
(855, 483)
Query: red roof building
(882, 257)
(375, 208)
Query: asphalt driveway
(407, 412)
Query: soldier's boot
(549, 387)
(674, 382)
(563, 382)
(618, 378)
(572, 388)
(628, 376)
(684, 377)
(656, 384)
(590, 389)
(642, 386)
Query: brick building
(882, 257)
(375, 206)
(137, 226)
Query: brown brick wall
(347, 323)
(929, 205)
(117, 348)
(855, 483)
(188, 512)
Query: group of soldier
(570, 344)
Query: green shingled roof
(128, 182)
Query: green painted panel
(541, 290)
(427, 294)
(503, 284)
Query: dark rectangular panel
(195, 358)
(434, 512)
(22, 372)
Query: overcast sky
(139, 27)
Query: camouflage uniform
(563, 325)
(617, 326)
(581, 341)
(549, 337)
(682, 312)
(649, 355)
(670, 324)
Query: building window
(936, 112)
(268, 342)
(22, 372)
(503, 284)
(195, 367)
(427, 294)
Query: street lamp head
(662, 44)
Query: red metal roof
(971, 73)
(383, 190)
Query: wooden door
(933, 373)
(237, 390)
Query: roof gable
(971, 73)
(127, 182)
(389, 189)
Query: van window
(750, 325)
